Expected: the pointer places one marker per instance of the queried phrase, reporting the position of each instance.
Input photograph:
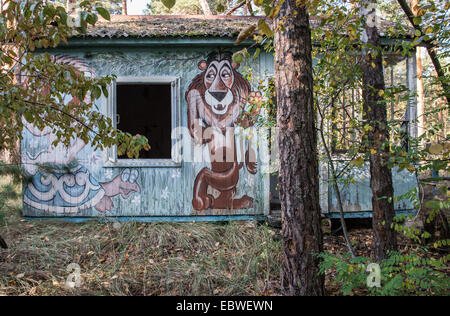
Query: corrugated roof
(147, 26)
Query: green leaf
(238, 57)
(417, 20)
(264, 28)
(104, 13)
(257, 52)
(220, 8)
(169, 3)
(91, 19)
(358, 162)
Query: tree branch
(430, 48)
(250, 9)
(335, 185)
(240, 5)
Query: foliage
(33, 89)
(337, 87)
(11, 177)
(180, 7)
(266, 105)
(401, 274)
(184, 7)
(113, 6)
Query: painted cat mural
(216, 98)
(74, 190)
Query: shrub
(401, 274)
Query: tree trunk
(420, 92)
(124, 7)
(70, 6)
(205, 7)
(378, 138)
(299, 176)
(3, 243)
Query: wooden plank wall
(158, 191)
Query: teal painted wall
(356, 193)
(157, 191)
(152, 191)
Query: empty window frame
(148, 106)
(346, 113)
(401, 110)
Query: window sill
(142, 163)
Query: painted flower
(136, 200)
(165, 193)
(176, 173)
(108, 174)
(94, 160)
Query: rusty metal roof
(154, 26)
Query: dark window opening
(145, 109)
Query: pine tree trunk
(70, 6)
(380, 174)
(299, 177)
(420, 91)
(205, 7)
(124, 7)
(420, 94)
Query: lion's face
(218, 94)
(218, 80)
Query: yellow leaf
(245, 34)
(411, 168)
(435, 149)
(358, 162)
(264, 28)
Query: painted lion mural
(216, 98)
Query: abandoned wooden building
(175, 77)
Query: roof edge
(91, 41)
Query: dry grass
(239, 258)
(139, 259)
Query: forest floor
(239, 258)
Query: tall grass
(141, 259)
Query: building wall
(81, 182)
(88, 184)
